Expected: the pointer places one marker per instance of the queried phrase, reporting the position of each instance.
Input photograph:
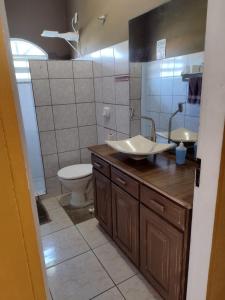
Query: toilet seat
(75, 171)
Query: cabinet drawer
(125, 182)
(164, 207)
(100, 165)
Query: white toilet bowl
(78, 180)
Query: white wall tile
(164, 121)
(45, 118)
(99, 112)
(179, 86)
(88, 136)
(41, 91)
(60, 69)
(97, 63)
(167, 86)
(108, 61)
(178, 121)
(122, 119)
(122, 92)
(100, 134)
(167, 67)
(122, 136)
(152, 68)
(84, 90)
(192, 123)
(98, 86)
(51, 165)
(153, 103)
(154, 86)
(192, 110)
(166, 104)
(62, 91)
(121, 54)
(135, 127)
(86, 114)
(38, 69)
(82, 69)
(180, 63)
(48, 142)
(85, 156)
(67, 139)
(69, 158)
(65, 116)
(108, 90)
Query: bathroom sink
(138, 147)
(180, 134)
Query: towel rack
(186, 77)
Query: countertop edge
(142, 181)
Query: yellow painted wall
(94, 36)
(21, 273)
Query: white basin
(180, 134)
(138, 147)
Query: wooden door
(161, 254)
(103, 201)
(126, 222)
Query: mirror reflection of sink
(180, 134)
(139, 147)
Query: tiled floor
(83, 263)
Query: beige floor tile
(112, 294)
(51, 203)
(117, 265)
(62, 245)
(138, 288)
(80, 278)
(59, 220)
(93, 234)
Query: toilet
(78, 180)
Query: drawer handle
(97, 165)
(157, 206)
(121, 181)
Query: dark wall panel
(181, 22)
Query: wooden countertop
(159, 172)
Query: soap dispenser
(181, 152)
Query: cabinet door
(126, 223)
(161, 254)
(103, 201)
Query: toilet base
(79, 200)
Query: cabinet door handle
(121, 181)
(157, 206)
(97, 165)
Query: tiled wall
(65, 108)
(163, 89)
(111, 83)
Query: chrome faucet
(153, 131)
(180, 109)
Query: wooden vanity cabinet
(103, 201)
(150, 228)
(125, 211)
(161, 251)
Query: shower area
(22, 52)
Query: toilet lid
(75, 171)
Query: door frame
(212, 119)
(17, 189)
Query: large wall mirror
(166, 49)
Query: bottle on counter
(181, 152)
